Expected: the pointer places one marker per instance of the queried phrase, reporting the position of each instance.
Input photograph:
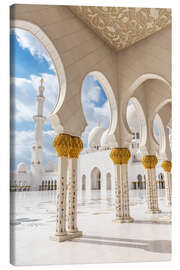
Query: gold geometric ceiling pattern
(122, 27)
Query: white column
(126, 193)
(168, 187)
(103, 186)
(122, 194)
(150, 163)
(61, 197)
(62, 144)
(120, 157)
(151, 191)
(76, 148)
(88, 187)
(72, 197)
(166, 165)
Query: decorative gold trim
(42, 80)
(149, 162)
(67, 145)
(62, 144)
(120, 155)
(76, 147)
(166, 165)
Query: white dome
(108, 140)
(95, 137)
(132, 118)
(50, 167)
(22, 167)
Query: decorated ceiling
(122, 27)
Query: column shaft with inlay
(61, 143)
(74, 152)
(150, 162)
(120, 157)
(166, 165)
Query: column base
(68, 236)
(169, 204)
(75, 234)
(123, 220)
(156, 211)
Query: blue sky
(30, 61)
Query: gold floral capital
(62, 143)
(76, 147)
(120, 155)
(166, 165)
(149, 162)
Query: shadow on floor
(162, 222)
(158, 246)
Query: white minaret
(39, 119)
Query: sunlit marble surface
(33, 217)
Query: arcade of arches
(139, 73)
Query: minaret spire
(41, 80)
(39, 119)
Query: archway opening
(51, 184)
(145, 88)
(99, 108)
(137, 125)
(30, 61)
(96, 179)
(108, 181)
(83, 182)
(140, 184)
(162, 130)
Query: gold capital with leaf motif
(149, 161)
(62, 143)
(166, 165)
(120, 155)
(76, 147)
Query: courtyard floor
(33, 217)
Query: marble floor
(33, 222)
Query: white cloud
(24, 94)
(23, 112)
(94, 108)
(94, 94)
(27, 41)
(132, 117)
(50, 133)
(91, 91)
(19, 82)
(103, 114)
(22, 141)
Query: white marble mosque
(110, 202)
